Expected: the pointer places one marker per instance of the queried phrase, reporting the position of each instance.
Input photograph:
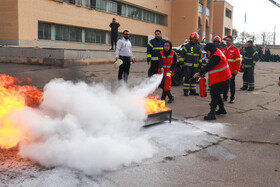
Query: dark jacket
(191, 55)
(154, 48)
(114, 28)
(250, 57)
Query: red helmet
(225, 38)
(217, 38)
(194, 35)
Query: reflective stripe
(233, 60)
(187, 64)
(170, 56)
(158, 48)
(149, 55)
(218, 70)
(185, 48)
(154, 58)
(187, 84)
(181, 59)
(195, 65)
(254, 61)
(166, 66)
(248, 58)
(192, 54)
(247, 66)
(255, 53)
(150, 45)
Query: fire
(13, 97)
(153, 105)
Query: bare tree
(243, 37)
(234, 34)
(265, 38)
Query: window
(134, 12)
(75, 34)
(207, 12)
(227, 31)
(113, 7)
(201, 2)
(228, 13)
(101, 5)
(208, 3)
(44, 31)
(200, 8)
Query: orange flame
(153, 105)
(13, 97)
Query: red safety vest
(221, 72)
(167, 62)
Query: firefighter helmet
(217, 38)
(194, 35)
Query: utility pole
(274, 35)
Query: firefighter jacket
(153, 49)
(233, 57)
(167, 63)
(191, 55)
(220, 72)
(250, 57)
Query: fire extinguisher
(202, 87)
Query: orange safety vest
(221, 72)
(167, 62)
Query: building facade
(222, 18)
(54, 23)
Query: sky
(261, 15)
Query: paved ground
(247, 147)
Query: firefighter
(219, 76)
(250, 57)
(191, 61)
(153, 50)
(233, 58)
(217, 42)
(167, 64)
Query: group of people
(223, 66)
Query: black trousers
(216, 91)
(153, 68)
(114, 39)
(231, 88)
(248, 77)
(124, 68)
(189, 73)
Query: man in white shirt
(124, 52)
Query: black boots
(186, 92)
(210, 115)
(171, 99)
(251, 89)
(244, 88)
(221, 110)
(193, 92)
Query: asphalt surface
(246, 150)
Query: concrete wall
(60, 57)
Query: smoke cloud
(87, 127)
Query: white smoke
(87, 127)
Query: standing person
(191, 60)
(124, 52)
(114, 33)
(233, 57)
(167, 64)
(219, 76)
(217, 42)
(250, 58)
(153, 49)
